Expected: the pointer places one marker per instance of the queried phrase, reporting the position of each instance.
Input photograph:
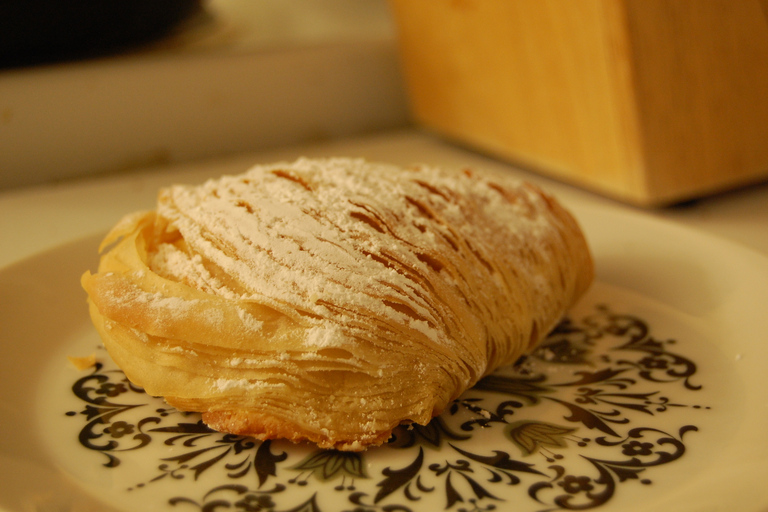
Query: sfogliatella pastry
(333, 300)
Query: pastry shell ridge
(331, 300)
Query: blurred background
(91, 87)
(651, 102)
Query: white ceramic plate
(652, 397)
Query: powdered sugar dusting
(320, 336)
(341, 238)
(228, 384)
(249, 321)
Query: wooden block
(648, 101)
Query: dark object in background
(46, 31)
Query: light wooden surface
(701, 79)
(649, 101)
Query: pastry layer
(332, 300)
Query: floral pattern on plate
(566, 428)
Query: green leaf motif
(328, 464)
(529, 436)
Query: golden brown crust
(332, 300)
(254, 424)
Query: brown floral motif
(575, 421)
(329, 465)
(591, 491)
(96, 390)
(637, 448)
(255, 503)
(118, 429)
(111, 389)
(576, 484)
(531, 436)
(244, 456)
(430, 435)
(410, 479)
(241, 498)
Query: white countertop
(251, 76)
(38, 218)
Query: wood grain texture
(649, 101)
(701, 75)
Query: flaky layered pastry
(333, 300)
